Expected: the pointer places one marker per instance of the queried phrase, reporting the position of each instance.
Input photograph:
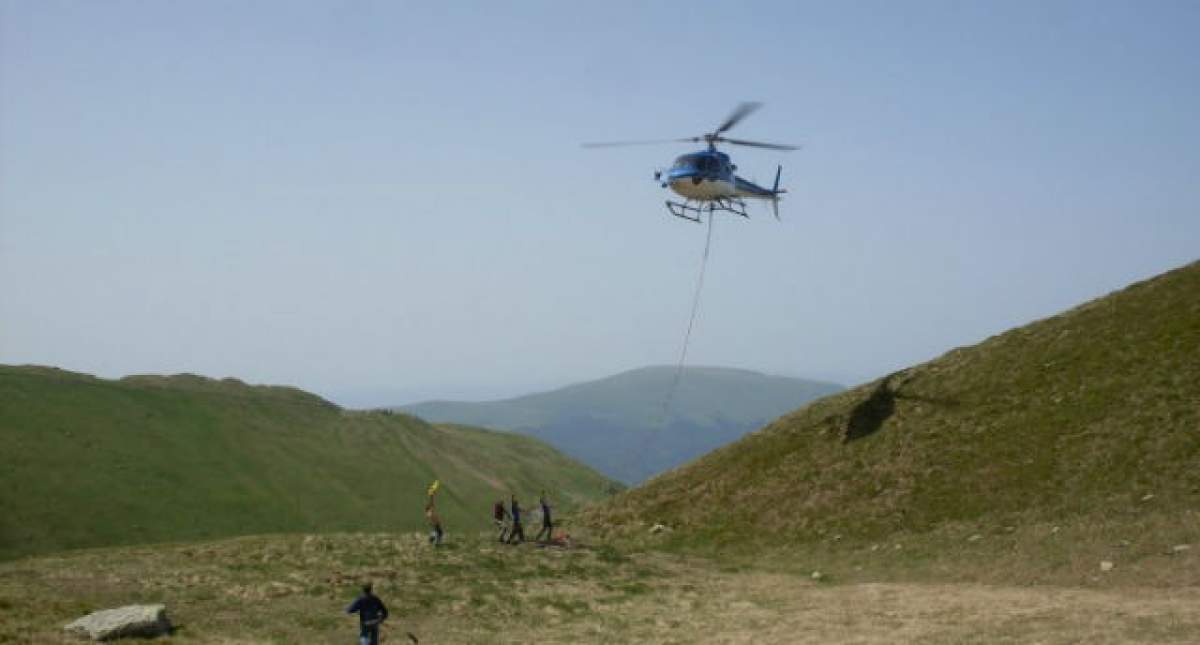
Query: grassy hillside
(1086, 423)
(90, 462)
(618, 424)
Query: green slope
(1089, 417)
(88, 462)
(618, 426)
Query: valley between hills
(1040, 486)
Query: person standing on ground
(547, 525)
(499, 517)
(435, 523)
(431, 513)
(371, 614)
(516, 531)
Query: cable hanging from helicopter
(707, 179)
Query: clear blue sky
(387, 201)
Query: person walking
(547, 524)
(499, 518)
(371, 614)
(517, 531)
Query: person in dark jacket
(500, 518)
(516, 531)
(547, 525)
(371, 614)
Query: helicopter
(706, 179)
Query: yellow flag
(433, 487)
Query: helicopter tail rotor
(775, 192)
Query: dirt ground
(764, 608)
(743, 608)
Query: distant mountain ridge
(96, 462)
(618, 424)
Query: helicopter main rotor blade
(758, 144)
(613, 144)
(739, 113)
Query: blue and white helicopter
(706, 179)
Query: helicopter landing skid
(686, 210)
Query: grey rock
(132, 620)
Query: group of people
(371, 610)
(508, 522)
(509, 528)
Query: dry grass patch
(292, 589)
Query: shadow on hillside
(868, 417)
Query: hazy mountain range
(622, 426)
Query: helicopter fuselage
(707, 179)
(710, 175)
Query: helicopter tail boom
(750, 189)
